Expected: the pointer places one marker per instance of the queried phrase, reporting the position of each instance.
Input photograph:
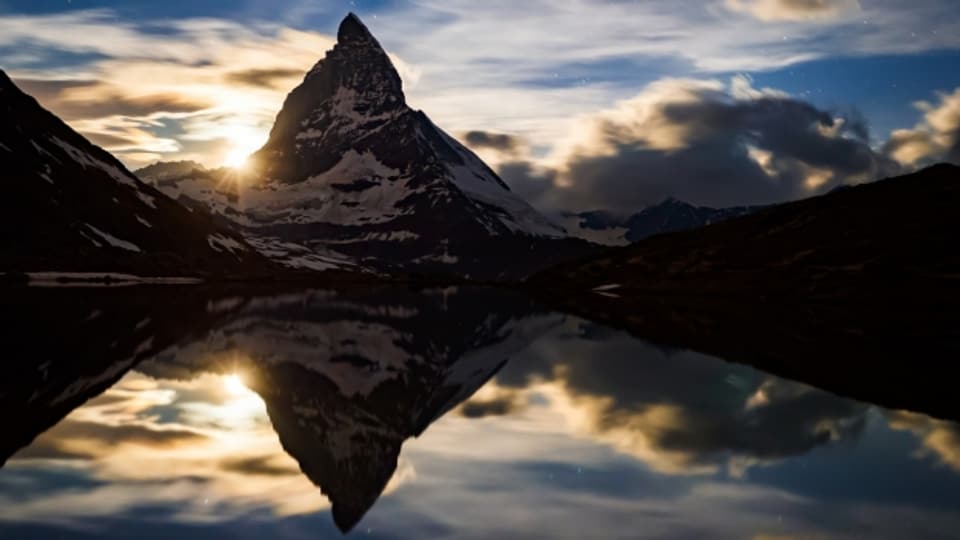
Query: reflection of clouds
(524, 476)
(194, 446)
(679, 412)
(940, 438)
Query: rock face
(70, 206)
(349, 168)
(670, 215)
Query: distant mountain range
(671, 215)
(888, 240)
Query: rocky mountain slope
(69, 206)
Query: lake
(191, 412)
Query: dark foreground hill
(890, 240)
(855, 291)
(71, 207)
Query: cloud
(940, 438)
(75, 439)
(188, 88)
(935, 138)
(501, 142)
(48, 90)
(269, 78)
(794, 10)
(79, 100)
(492, 401)
(259, 466)
(705, 142)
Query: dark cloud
(266, 78)
(494, 141)
(115, 104)
(498, 406)
(45, 90)
(110, 140)
(707, 145)
(258, 466)
(526, 180)
(59, 442)
(98, 100)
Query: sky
(579, 104)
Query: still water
(448, 413)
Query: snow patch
(91, 240)
(86, 160)
(297, 256)
(143, 222)
(144, 347)
(114, 241)
(220, 242)
(310, 134)
(146, 199)
(609, 287)
(46, 173)
(612, 236)
(606, 290)
(329, 198)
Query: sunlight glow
(234, 385)
(242, 144)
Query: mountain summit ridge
(350, 169)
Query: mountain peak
(352, 30)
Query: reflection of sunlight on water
(204, 447)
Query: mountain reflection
(344, 380)
(347, 378)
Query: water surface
(446, 413)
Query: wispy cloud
(204, 88)
(218, 82)
(794, 10)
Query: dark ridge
(352, 30)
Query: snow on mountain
(349, 167)
(70, 206)
(669, 216)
